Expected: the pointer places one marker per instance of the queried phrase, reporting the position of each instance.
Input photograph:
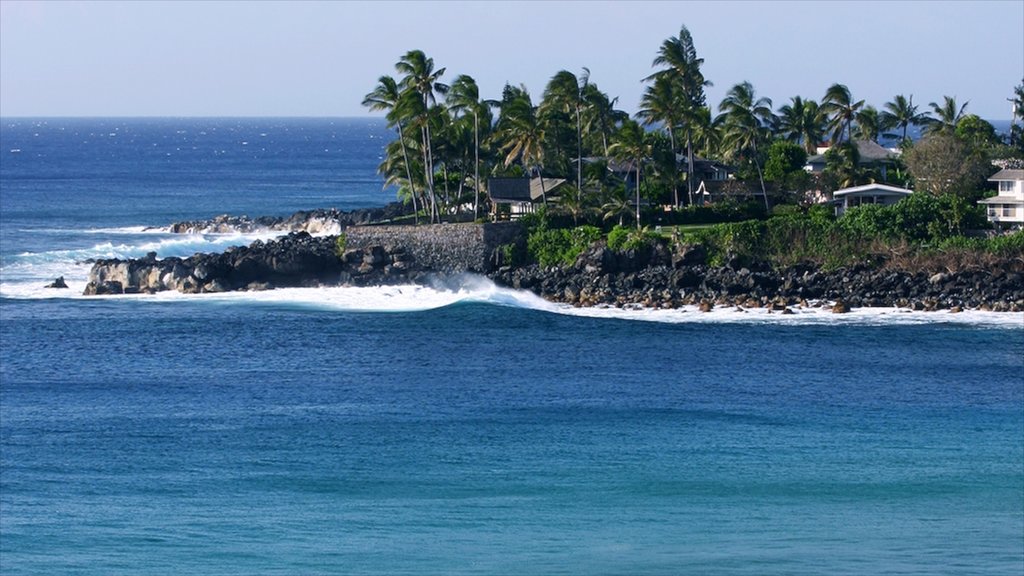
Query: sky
(212, 58)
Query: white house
(1007, 209)
(868, 194)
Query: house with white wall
(883, 194)
(1006, 210)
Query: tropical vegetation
(645, 169)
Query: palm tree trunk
(689, 165)
(760, 177)
(675, 166)
(638, 193)
(476, 165)
(430, 175)
(408, 175)
(543, 194)
(579, 158)
(427, 174)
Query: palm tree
(521, 133)
(659, 105)
(679, 60)
(1016, 133)
(901, 113)
(464, 97)
(800, 121)
(839, 106)
(744, 118)
(869, 124)
(631, 145)
(421, 78)
(618, 205)
(600, 115)
(947, 116)
(385, 97)
(565, 92)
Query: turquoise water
(470, 431)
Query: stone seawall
(447, 248)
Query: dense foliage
(603, 168)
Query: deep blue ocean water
(475, 430)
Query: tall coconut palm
(631, 144)
(565, 92)
(464, 98)
(599, 115)
(744, 119)
(841, 110)
(901, 113)
(421, 78)
(678, 58)
(800, 122)
(385, 97)
(947, 115)
(521, 133)
(659, 105)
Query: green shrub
(623, 238)
(339, 245)
(617, 237)
(560, 246)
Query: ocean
(466, 430)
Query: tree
(744, 119)
(680, 63)
(943, 164)
(1017, 132)
(421, 79)
(842, 166)
(599, 115)
(979, 135)
(464, 98)
(869, 124)
(901, 113)
(946, 116)
(659, 105)
(631, 144)
(385, 97)
(521, 133)
(800, 121)
(784, 159)
(841, 110)
(565, 92)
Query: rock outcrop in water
(296, 260)
(321, 221)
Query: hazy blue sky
(320, 58)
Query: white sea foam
(25, 275)
(475, 289)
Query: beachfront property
(1006, 210)
(511, 198)
(884, 194)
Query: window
(992, 211)
(1006, 185)
(1009, 211)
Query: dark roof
(521, 189)
(509, 189)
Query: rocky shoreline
(658, 279)
(655, 278)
